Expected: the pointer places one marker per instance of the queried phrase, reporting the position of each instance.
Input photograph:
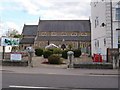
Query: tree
(12, 33)
(18, 36)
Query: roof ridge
(31, 25)
(65, 20)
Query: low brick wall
(7, 55)
(14, 63)
(94, 65)
(8, 62)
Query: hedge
(47, 53)
(39, 52)
(77, 52)
(64, 54)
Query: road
(59, 81)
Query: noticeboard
(114, 51)
(15, 57)
(9, 41)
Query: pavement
(60, 71)
(39, 68)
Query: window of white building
(104, 42)
(98, 43)
(95, 44)
(96, 21)
(118, 39)
(95, 3)
(118, 42)
(117, 13)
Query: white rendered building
(105, 25)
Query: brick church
(68, 32)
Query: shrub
(39, 52)
(50, 49)
(64, 54)
(77, 52)
(47, 53)
(70, 46)
(54, 59)
(57, 51)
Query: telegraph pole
(111, 24)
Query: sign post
(31, 52)
(5, 41)
(3, 53)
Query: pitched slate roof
(27, 41)
(64, 25)
(30, 30)
(60, 38)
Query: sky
(15, 13)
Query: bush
(70, 46)
(64, 54)
(47, 53)
(77, 52)
(54, 59)
(39, 52)
(50, 49)
(57, 51)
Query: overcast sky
(14, 13)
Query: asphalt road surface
(58, 82)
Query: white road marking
(32, 87)
(104, 75)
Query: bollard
(114, 63)
(30, 51)
(30, 59)
(118, 63)
(70, 58)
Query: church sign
(5, 41)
